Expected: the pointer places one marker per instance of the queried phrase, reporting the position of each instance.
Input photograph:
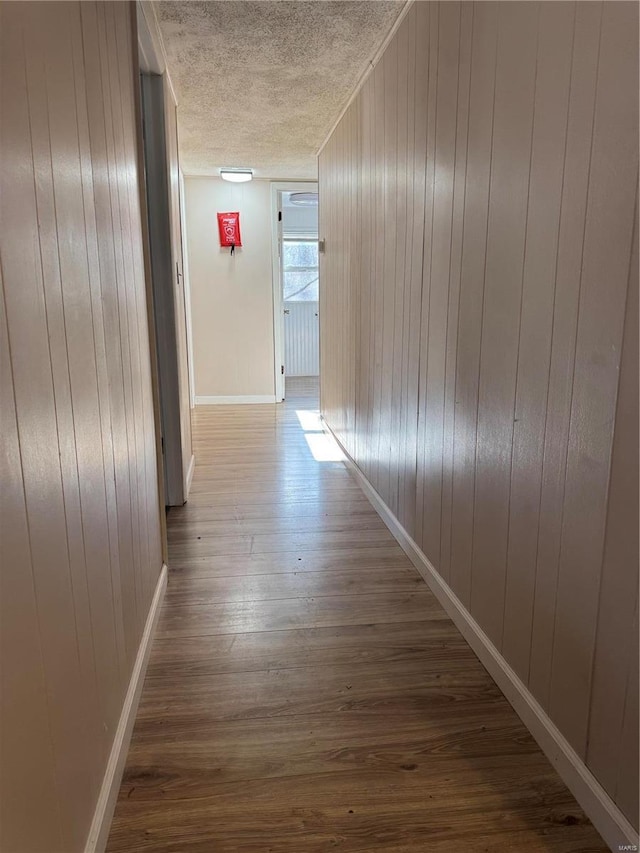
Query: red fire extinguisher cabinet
(229, 229)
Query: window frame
(300, 238)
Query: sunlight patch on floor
(310, 420)
(324, 447)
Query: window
(300, 269)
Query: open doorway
(296, 288)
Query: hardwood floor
(306, 692)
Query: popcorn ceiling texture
(260, 84)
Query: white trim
(597, 804)
(149, 39)
(192, 467)
(278, 187)
(145, 55)
(235, 400)
(365, 74)
(101, 823)
(153, 43)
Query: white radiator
(301, 339)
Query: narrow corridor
(306, 692)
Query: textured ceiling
(260, 84)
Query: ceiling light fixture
(304, 199)
(237, 176)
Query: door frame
(164, 252)
(277, 188)
(146, 60)
(162, 282)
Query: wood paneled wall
(479, 335)
(81, 550)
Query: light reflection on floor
(322, 444)
(310, 420)
(324, 447)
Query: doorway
(296, 285)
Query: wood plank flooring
(306, 692)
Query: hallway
(306, 692)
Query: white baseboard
(242, 399)
(192, 466)
(597, 804)
(101, 823)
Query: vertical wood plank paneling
(378, 274)
(128, 310)
(454, 275)
(339, 214)
(419, 27)
(372, 411)
(111, 95)
(388, 280)
(97, 121)
(447, 32)
(47, 81)
(605, 258)
(150, 556)
(430, 39)
(77, 331)
(626, 791)
(364, 366)
(472, 285)
(489, 185)
(555, 41)
(118, 350)
(506, 234)
(97, 321)
(565, 315)
(399, 275)
(356, 261)
(346, 372)
(348, 328)
(334, 258)
(82, 557)
(25, 742)
(615, 662)
(624, 481)
(354, 270)
(25, 259)
(405, 462)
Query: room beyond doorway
(296, 283)
(306, 389)
(300, 280)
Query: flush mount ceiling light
(305, 199)
(237, 176)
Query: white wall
(231, 297)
